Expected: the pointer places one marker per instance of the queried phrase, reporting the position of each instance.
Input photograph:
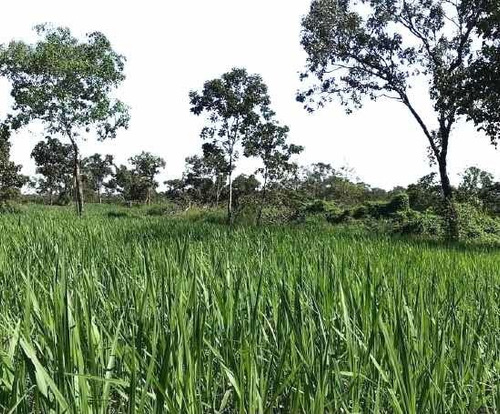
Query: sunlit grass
(145, 314)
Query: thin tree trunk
(99, 195)
(441, 153)
(262, 200)
(230, 201)
(78, 179)
(450, 208)
(217, 192)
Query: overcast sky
(174, 46)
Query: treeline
(381, 51)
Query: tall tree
(269, 143)
(11, 179)
(234, 104)
(54, 162)
(375, 48)
(146, 167)
(66, 83)
(97, 168)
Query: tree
(234, 104)
(145, 168)
(217, 168)
(244, 186)
(54, 162)
(269, 143)
(11, 179)
(66, 84)
(426, 193)
(197, 178)
(97, 168)
(376, 48)
(478, 187)
(127, 183)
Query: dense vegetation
(124, 312)
(292, 289)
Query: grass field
(150, 315)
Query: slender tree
(269, 143)
(377, 48)
(234, 104)
(66, 83)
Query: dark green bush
(117, 214)
(476, 225)
(10, 208)
(162, 210)
(417, 223)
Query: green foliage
(138, 182)
(162, 210)
(66, 84)
(416, 223)
(97, 169)
(54, 162)
(144, 314)
(378, 49)
(235, 104)
(8, 207)
(399, 203)
(475, 225)
(11, 179)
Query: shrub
(117, 214)
(162, 210)
(417, 223)
(477, 225)
(10, 208)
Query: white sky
(174, 46)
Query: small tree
(205, 175)
(217, 167)
(234, 104)
(97, 168)
(54, 162)
(269, 143)
(128, 184)
(375, 48)
(146, 167)
(66, 84)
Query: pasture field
(122, 313)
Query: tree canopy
(234, 103)
(376, 48)
(66, 83)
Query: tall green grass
(118, 314)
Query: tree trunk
(217, 192)
(230, 201)
(450, 209)
(99, 195)
(78, 180)
(262, 200)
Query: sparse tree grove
(253, 282)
